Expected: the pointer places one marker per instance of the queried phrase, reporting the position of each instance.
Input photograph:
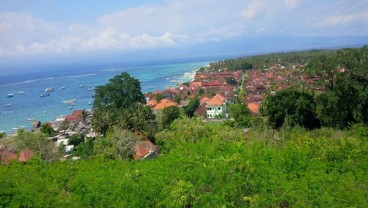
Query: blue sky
(33, 29)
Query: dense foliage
(119, 103)
(292, 108)
(265, 61)
(240, 114)
(345, 78)
(203, 166)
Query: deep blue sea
(75, 82)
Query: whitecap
(82, 75)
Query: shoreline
(50, 108)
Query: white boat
(81, 85)
(62, 88)
(15, 129)
(21, 92)
(70, 108)
(71, 101)
(7, 105)
(45, 95)
(10, 95)
(90, 89)
(49, 89)
(89, 103)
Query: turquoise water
(75, 83)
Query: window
(209, 109)
(219, 108)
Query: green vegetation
(120, 104)
(306, 150)
(241, 115)
(206, 165)
(265, 61)
(191, 107)
(292, 108)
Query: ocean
(23, 98)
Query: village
(215, 90)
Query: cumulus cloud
(254, 8)
(177, 23)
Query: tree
(76, 139)
(120, 92)
(138, 118)
(169, 114)
(42, 146)
(116, 145)
(159, 97)
(191, 107)
(241, 115)
(121, 96)
(47, 129)
(292, 107)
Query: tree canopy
(293, 107)
(121, 103)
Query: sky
(68, 28)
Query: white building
(216, 107)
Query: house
(201, 111)
(144, 150)
(195, 84)
(216, 107)
(6, 156)
(204, 100)
(152, 102)
(164, 103)
(254, 107)
(75, 117)
(215, 83)
(25, 155)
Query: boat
(15, 129)
(49, 89)
(71, 101)
(70, 108)
(81, 85)
(89, 103)
(45, 95)
(90, 89)
(10, 95)
(21, 92)
(62, 88)
(7, 105)
(44, 112)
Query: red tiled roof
(76, 116)
(195, 84)
(6, 156)
(216, 100)
(254, 107)
(142, 148)
(204, 100)
(164, 103)
(152, 102)
(212, 83)
(25, 155)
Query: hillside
(206, 164)
(304, 148)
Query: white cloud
(176, 23)
(253, 9)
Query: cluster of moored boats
(47, 93)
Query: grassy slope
(206, 165)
